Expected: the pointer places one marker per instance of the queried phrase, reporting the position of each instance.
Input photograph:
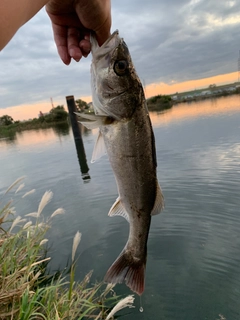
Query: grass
(26, 291)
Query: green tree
(6, 120)
(81, 105)
(212, 86)
(160, 99)
(57, 114)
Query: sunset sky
(176, 45)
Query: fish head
(116, 88)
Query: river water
(194, 244)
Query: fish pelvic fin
(118, 209)
(99, 148)
(129, 269)
(159, 201)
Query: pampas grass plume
(32, 214)
(28, 224)
(16, 221)
(28, 193)
(58, 211)
(43, 242)
(20, 187)
(76, 242)
(14, 184)
(46, 198)
(124, 303)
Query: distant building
(206, 93)
(231, 89)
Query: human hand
(72, 21)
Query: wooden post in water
(76, 128)
(73, 117)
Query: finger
(60, 37)
(87, 36)
(73, 44)
(85, 47)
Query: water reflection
(198, 109)
(82, 159)
(35, 137)
(10, 137)
(62, 129)
(85, 131)
(194, 245)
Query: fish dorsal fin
(99, 148)
(159, 201)
(117, 209)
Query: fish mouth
(115, 33)
(109, 45)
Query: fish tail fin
(128, 268)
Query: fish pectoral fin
(159, 201)
(118, 209)
(94, 121)
(90, 124)
(91, 117)
(99, 148)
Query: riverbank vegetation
(159, 103)
(26, 290)
(55, 116)
(213, 91)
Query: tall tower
(238, 79)
(239, 67)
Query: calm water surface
(194, 244)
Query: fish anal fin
(99, 148)
(159, 201)
(129, 269)
(118, 209)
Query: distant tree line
(81, 105)
(159, 102)
(57, 114)
(160, 98)
(6, 120)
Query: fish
(126, 135)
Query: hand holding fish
(72, 21)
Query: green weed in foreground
(26, 292)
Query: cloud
(184, 40)
(32, 71)
(170, 41)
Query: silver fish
(125, 132)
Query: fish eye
(120, 67)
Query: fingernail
(71, 52)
